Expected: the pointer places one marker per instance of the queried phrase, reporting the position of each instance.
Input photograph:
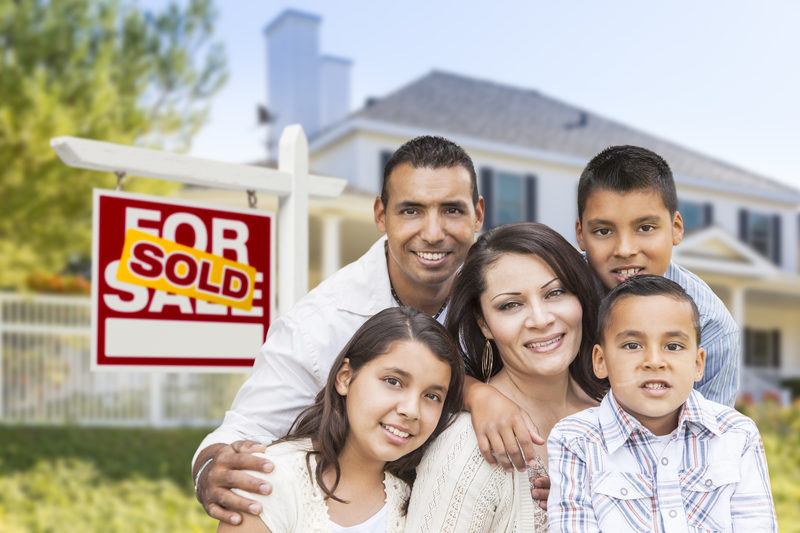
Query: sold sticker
(165, 265)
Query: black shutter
(708, 214)
(487, 190)
(748, 347)
(386, 155)
(776, 348)
(530, 196)
(776, 239)
(743, 220)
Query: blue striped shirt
(609, 473)
(720, 336)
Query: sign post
(215, 281)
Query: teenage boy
(430, 209)
(655, 455)
(628, 222)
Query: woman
(524, 308)
(348, 461)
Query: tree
(100, 69)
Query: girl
(348, 461)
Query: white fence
(45, 376)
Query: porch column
(331, 245)
(738, 313)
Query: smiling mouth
(546, 344)
(432, 256)
(625, 273)
(655, 385)
(396, 432)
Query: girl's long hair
(524, 238)
(325, 422)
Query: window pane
(509, 198)
(692, 213)
(760, 232)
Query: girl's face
(393, 402)
(533, 319)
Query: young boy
(628, 222)
(655, 455)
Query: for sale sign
(177, 284)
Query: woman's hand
(506, 434)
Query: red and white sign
(178, 285)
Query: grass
(65, 479)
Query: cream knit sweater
(457, 491)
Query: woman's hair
(325, 422)
(525, 238)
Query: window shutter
(776, 239)
(776, 348)
(386, 155)
(530, 198)
(743, 225)
(708, 214)
(487, 189)
(748, 347)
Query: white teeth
(628, 272)
(544, 344)
(654, 386)
(395, 431)
(431, 256)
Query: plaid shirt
(607, 475)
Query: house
(743, 229)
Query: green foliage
(98, 479)
(101, 69)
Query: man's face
(649, 354)
(430, 223)
(624, 234)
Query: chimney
(303, 87)
(335, 89)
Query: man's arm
(506, 434)
(283, 383)
(752, 508)
(569, 506)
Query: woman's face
(534, 321)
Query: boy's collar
(617, 425)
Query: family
(510, 383)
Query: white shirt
(294, 362)
(297, 503)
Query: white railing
(45, 376)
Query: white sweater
(297, 503)
(457, 491)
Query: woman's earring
(487, 361)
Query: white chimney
(303, 87)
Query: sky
(719, 76)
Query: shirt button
(624, 491)
(664, 461)
(709, 483)
(673, 513)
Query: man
(430, 209)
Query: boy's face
(624, 234)
(649, 354)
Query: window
(384, 158)
(762, 348)
(696, 215)
(509, 197)
(762, 232)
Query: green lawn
(77, 479)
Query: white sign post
(291, 182)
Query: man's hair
(627, 168)
(429, 151)
(644, 285)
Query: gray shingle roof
(445, 102)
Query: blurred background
(531, 90)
